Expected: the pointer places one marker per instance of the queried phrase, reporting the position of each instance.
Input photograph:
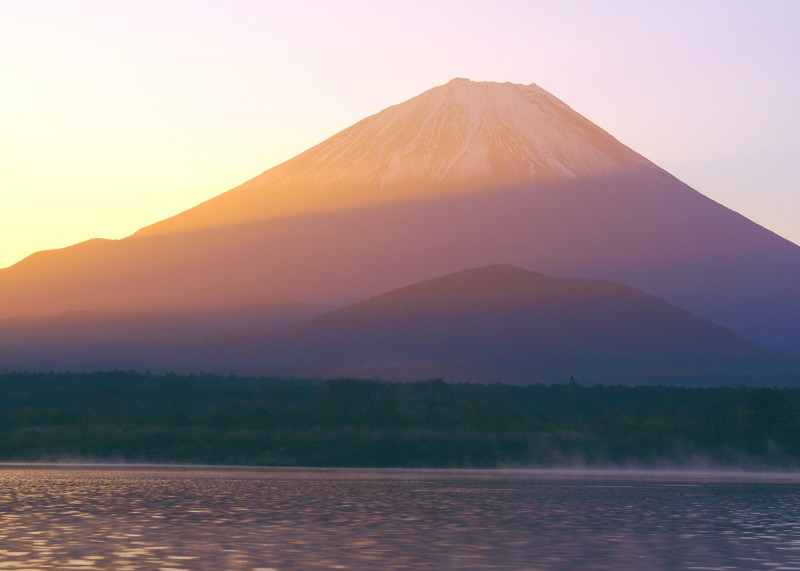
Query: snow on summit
(461, 136)
(467, 132)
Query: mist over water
(232, 519)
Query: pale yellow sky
(116, 115)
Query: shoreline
(715, 475)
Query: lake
(132, 518)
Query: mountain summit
(464, 175)
(459, 137)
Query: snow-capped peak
(459, 137)
(465, 132)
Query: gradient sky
(117, 114)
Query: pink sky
(116, 115)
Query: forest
(132, 417)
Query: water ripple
(258, 520)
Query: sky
(114, 115)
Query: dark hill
(499, 323)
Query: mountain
(498, 323)
(464, 175)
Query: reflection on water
(129, 519)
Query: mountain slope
(464, 175)
(497, 323)
(456, 138)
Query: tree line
(126, 416)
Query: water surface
(232, 519)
